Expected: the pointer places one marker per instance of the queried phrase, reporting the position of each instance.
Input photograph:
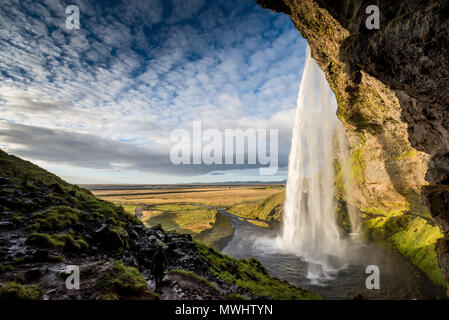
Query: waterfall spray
(310, 227)
(348, 182)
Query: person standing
(158, 265)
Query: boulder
(111, 238)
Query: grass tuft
(18, 291)
(121, 282)
(251, 275)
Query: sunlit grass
(268, 209)
(183, 217)
(251, 275)
(222, 196)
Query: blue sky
(98, 104)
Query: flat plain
(189, 209)
(216, 196)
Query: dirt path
(177, 286)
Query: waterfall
(343, 155)
(310, 227)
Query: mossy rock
(112, 237)
(61, 241)
(122, 281)
(413, 237)
(251, 276)
(18, 291)
(55, 219)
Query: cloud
(90, 151)
(133, 74)
(181, 9)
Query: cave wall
(392, 89)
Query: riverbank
(399, 278)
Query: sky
(98, 104)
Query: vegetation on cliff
(251, 275)
(412, 236)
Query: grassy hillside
(47, 220)
(182, 217)
(268, 209)
(54, 212)
(251, 275)
(202, 223)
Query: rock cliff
(391, 86)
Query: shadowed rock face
(392, 89)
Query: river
(398, 278)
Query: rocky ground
(47, 224)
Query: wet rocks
(7, 225)
(32, 274)
(442, 249)
(110, 237)
(436, 198)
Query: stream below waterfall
(398, 278)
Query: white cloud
(115, 80)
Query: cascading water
(348, 185)
(312, 250)
(309, 224)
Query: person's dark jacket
(158, 263)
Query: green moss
(340, 201)
(55, 218)
(55, 258)
(357, 164)
(20, 279)
(194, 276)
(268, 209)
(21, 172)
(43, 240)
(70, 244)
(235, 296)
(250, 275)
(411, 236)
(342, 211)
(410, 153)
(17, 291)
(5, 268)
(58, 241)
(17, 219)
(44, 190)
(339, 181)
(122, 281)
